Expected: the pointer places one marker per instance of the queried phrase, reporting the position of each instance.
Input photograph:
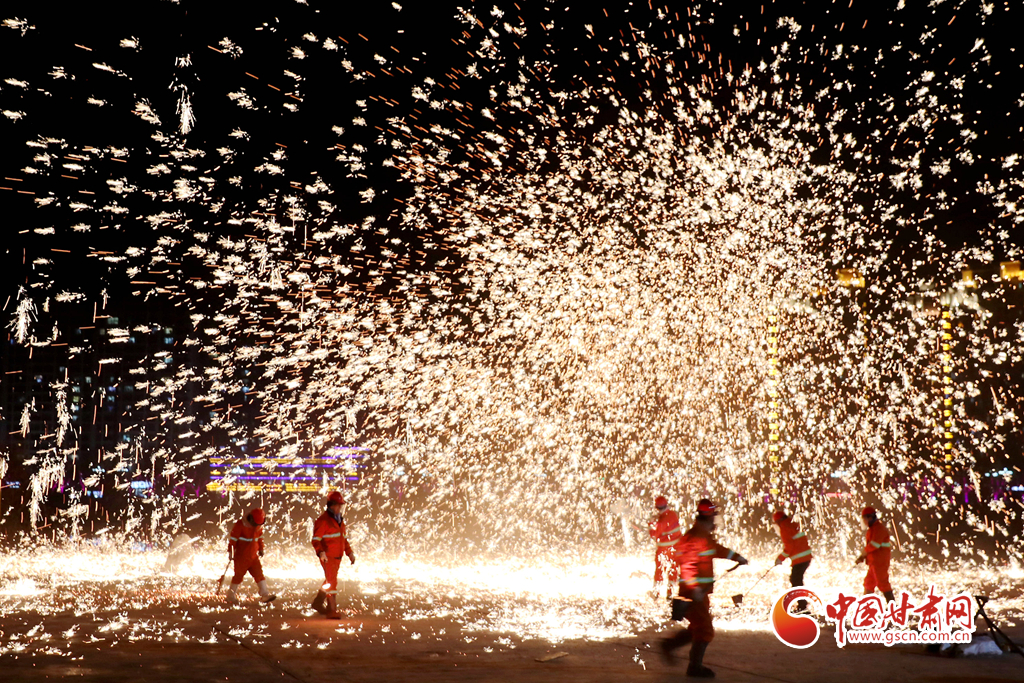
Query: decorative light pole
(946, 358)
(773, 403)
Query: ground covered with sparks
(84, 605)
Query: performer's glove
(323, 558)
(351, 558)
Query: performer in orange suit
(666, 532)
(330, 544)
(695, 554)
(877, 554)
(245, 547)
(795, 548)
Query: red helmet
(661, 502)
(334, 497)
(705, 508)
(257, 516)
(868, 512)
(778, 516)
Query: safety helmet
(868, 512)
(334, 497)
(705, 508)
(661, 502)
(778, 516)
(257, 516)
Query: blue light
(1005, 472)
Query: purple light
(218, 478)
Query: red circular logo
(794, 630)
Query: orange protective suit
(695, 553)
(794, 542)
(246, 544)
(878, 553)
(666, 532)
(329, 538)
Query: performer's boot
(233, 593)
(320, 602)
(889, 597)
(670, 645)
(265, 595)
(332, 607)
(697, 668)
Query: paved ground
(254, 643)
(489, 623)
(327, 655)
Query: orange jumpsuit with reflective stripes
(246, 543)
(329, 538)
(666, 532)
(794, 542)
(695, 554)
(878, 552)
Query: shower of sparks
(534, 294)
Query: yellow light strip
(773, 401)
(946, 358)
(266, 487)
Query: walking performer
(695, 553)
(330, 544)
(245, 547)
(795, 548)
(877, 554)
(666, 532)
